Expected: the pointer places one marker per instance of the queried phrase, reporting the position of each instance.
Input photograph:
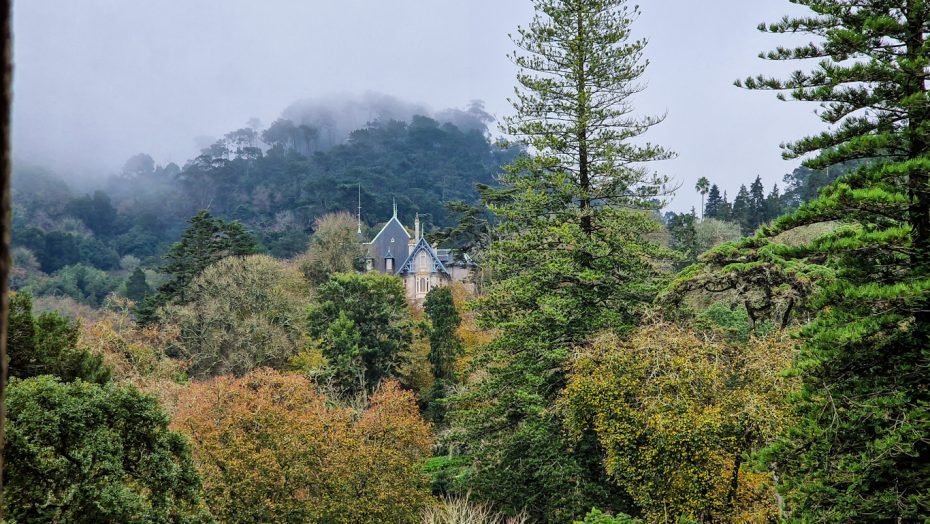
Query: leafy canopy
(84, 453)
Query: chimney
(416, 228)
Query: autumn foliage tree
(334, 248)
(677, 415)
(272, 449)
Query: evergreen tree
(773, 204)
(714, 206)
(681, 228)
(726, 209)
(47, 345)
(741, 210)
(444, 346)
(860, 451)
(86, 453)
(757, 208)
(572, 254)
(362, 325)
(702, 187)
(137, 288)
(207, 240)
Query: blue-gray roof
(391, 241)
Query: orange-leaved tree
(270, 448)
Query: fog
(97, 81)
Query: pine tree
(573, 255)
(861, 448)
(714, 206)
(207, 240)
(741, 210)
(726, 209)
(755, 215)
(773, 204)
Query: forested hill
(275, 181)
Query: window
(369, 264)
(389, 264)
(423, 285)
(423, 263)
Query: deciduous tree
(242, 313)
(272, 449)
(677, 416)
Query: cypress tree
(755, 215)
(444, 346)
(137, 288)
(861, 448)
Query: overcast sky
(99, 80)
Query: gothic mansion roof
(422, 247)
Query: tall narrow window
(389, 264)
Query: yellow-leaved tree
(678, 414)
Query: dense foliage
(272, 449)
(243, 313)
(780, 375)
(85, 453)
(572, 254)
(206, 241)
(47, 345)
(334, 248)
(678, 415)
(362, 326)
(860, 449)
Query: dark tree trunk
(5, 215)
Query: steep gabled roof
(393, 220)
(422, 246)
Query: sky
(97, 81)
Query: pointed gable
(390, 242)
(422, 246)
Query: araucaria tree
(862, 447)
(572, 255)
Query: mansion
(394, 251)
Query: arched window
(423, 262)
(423, 285)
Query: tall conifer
(861, 449)
(572, 256)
